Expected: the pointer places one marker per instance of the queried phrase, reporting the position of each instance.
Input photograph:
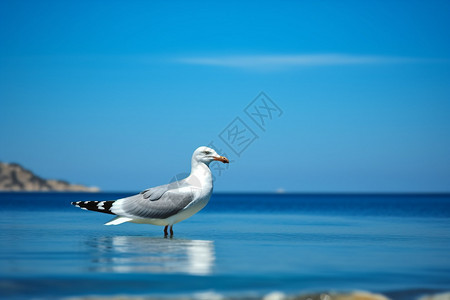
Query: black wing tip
(99, 206)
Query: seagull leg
(171, 231)
(165, 231)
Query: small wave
(275, 295)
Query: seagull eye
(206, 152)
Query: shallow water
(239, 244)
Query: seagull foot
(166, 234)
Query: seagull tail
(100, 206)
(118, 220)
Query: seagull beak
(222, 159)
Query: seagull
(168, 204)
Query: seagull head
(207, 155)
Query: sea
(239, 246)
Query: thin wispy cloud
(298, 60)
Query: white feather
(118, 220)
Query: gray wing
(156, 193)
(168, 204)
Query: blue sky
(118, 95)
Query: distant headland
(14, 177)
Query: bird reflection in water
(138, 254)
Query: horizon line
(293, 60)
